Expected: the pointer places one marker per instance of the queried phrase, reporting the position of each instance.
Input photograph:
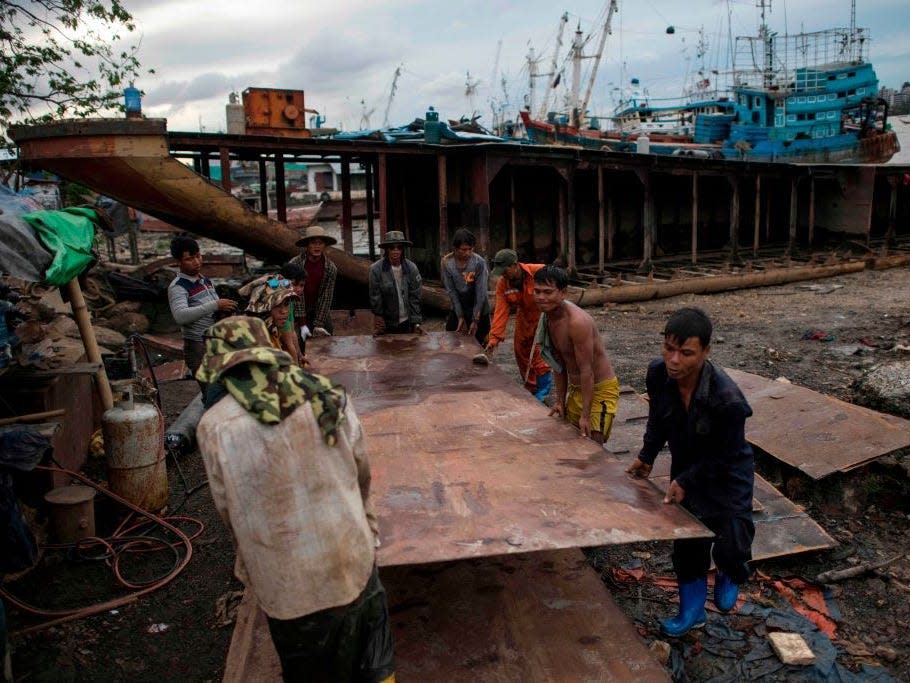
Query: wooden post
(513, 218)
(480, 187)
(570, 220)
(382, 171)
(562, 237)
(757, 225)
(601, 221)
(84, 323)
(281, 197)
(892, 214)
(734, 219)
(225, 168)
(611, 224)
(371, 238)
(647, 221)
(767, 216)
(811, 211)
(791, 242)
(347, 228)
(694, 217)
(442, 180)
(263, 188)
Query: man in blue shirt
(697, 409)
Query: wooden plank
(534, 617)
(467, 464)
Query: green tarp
(69, 234)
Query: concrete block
(790, 648)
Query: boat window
(841, 76)
(791, 118)
(811, 116)
(800, 117)
(841, 94)
(757, 102)
(851, 74)
(832, 115)
(754, 117)
(801, 100)
(860, 91)
(830, 77)
(811, 99)
(851, 93)
(832, 96)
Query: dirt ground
(760, 331)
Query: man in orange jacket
(515, 292)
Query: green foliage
(57, 58)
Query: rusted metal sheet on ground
(535, 617)
(781, 527)
(817, 434)
(466, 463)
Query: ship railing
(772, 59)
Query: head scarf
(264, 380)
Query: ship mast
(563, 20)
(600, 50)
(765, 36)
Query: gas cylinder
(134, 449)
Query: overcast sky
(343, 51)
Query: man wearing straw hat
(320, 281)
(395, 288)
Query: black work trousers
(732, 549)
(345, 644)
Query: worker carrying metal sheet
(288, 471)
(515, 293)
(697, 409)
(587, 391)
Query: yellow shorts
(603, 405)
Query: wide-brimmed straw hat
(394, 237)
(313, 232)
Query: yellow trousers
(603, 405)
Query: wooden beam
(811, 211)
(347, 228)
(562, 220)
(571, 221)
(611, 223)
(755, 230)
(382, 172)
(791, 240)
(892, 214)
(694, 217)
(225, 168)
(601, 221)
(734, 219)
(513, 213)
(371, 238)
(263, 188)
(443, 188)
(481, 190)
(647, 220)
(281, 197)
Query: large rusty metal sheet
(467, 464)
(817, 434)
(781, 527)
(536, 617)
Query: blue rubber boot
(544, 384)
(725, 592)
(692, 596)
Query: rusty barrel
(134, 449)
(72, 510)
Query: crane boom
(563, 20)
(388, 105)
(603, 41)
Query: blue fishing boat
(802, 98)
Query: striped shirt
(193, 302)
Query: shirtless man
(587, 390)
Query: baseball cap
(503, 259)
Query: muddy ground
(760, 331)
